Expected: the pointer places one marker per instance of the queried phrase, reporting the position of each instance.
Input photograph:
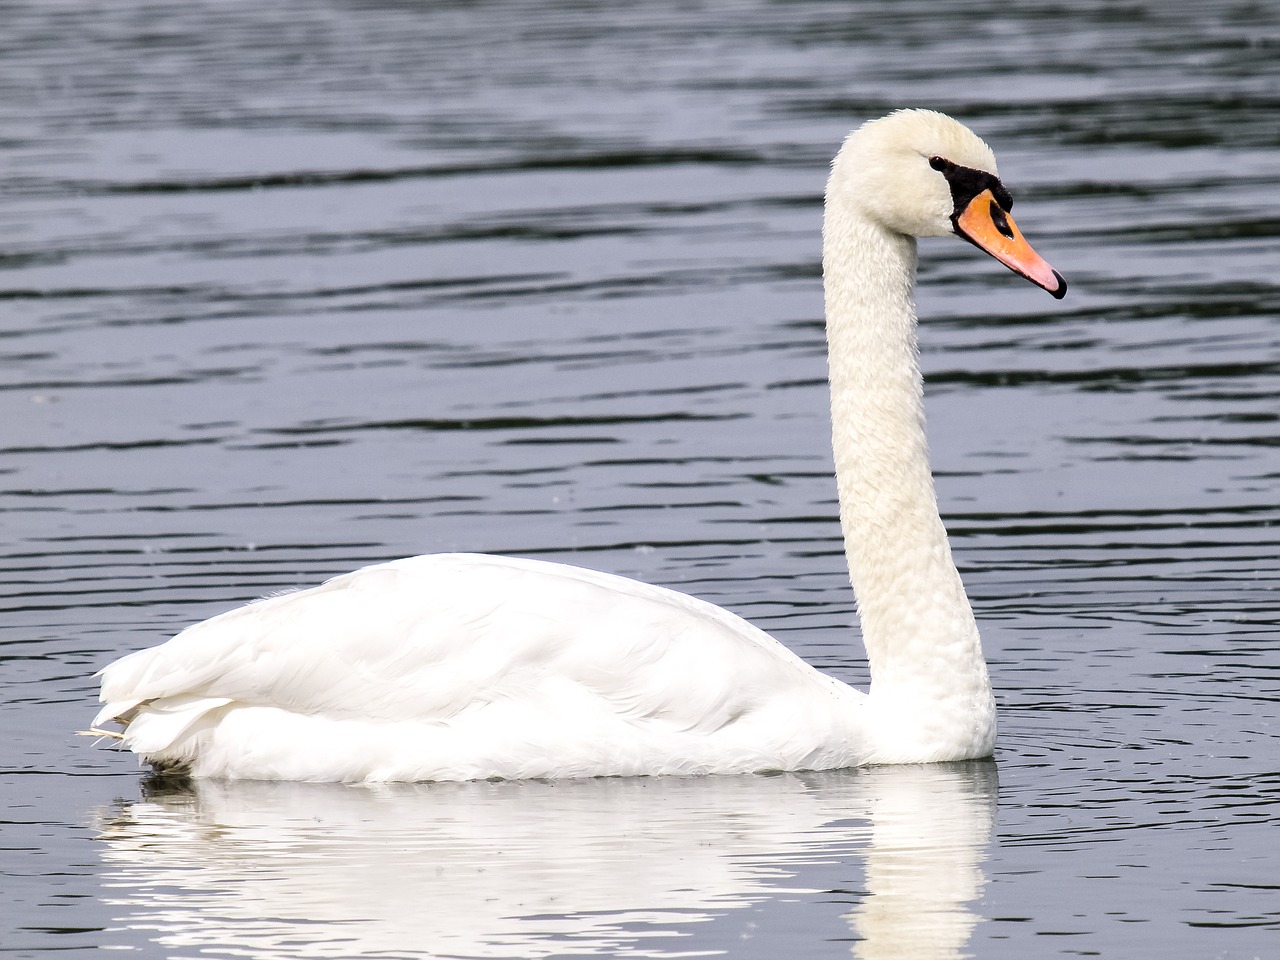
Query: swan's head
(920, 173)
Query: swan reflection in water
(537, 868)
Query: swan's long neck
(927, 669)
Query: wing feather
(482, 660)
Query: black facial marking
(966, 183)
(1000, 220)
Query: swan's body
(457, 666)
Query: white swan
(455, 667)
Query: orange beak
(988, 226)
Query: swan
(464, 666)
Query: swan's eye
(939, 164)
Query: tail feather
(94, 731)
(119, 711)
(155, 728)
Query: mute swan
(459, 666)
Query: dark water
(289, 288)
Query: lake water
(289, 288)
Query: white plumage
(458, 666)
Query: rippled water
(291, 288)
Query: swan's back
(457, 666)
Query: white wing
(457, 666)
